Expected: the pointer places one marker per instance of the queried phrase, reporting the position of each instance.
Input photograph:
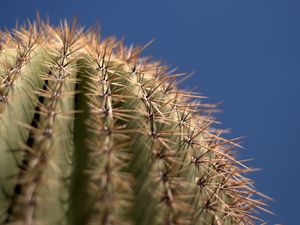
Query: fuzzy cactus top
(92, 133)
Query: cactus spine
(91, 133)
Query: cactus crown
(92, 133)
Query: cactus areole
(93, 133)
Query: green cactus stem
(92, 133)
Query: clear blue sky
(245, 53)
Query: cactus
(93, 133)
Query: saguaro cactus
(92, 133)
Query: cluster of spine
(103, 136)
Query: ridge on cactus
(93, 133)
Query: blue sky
(244, 53)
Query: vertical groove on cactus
(80, 203)
(20, 69)
(92, 133)
(48, 164)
